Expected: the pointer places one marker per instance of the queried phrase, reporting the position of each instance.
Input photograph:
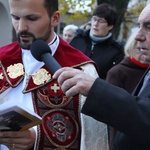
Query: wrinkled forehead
(145, 14)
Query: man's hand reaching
(73, 81)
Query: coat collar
(138, 87)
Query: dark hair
(108, 12)
(51, 6)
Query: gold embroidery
(15, 70)
(41, 76)
(1, 76)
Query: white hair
(70, 27)
(130, 44)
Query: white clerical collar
(31, 65)
(54, 44)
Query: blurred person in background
(98, 43)
(69, 32)
(86, 26)
(129, 71)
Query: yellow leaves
(132, 15)
(76, 9)
(136, 9)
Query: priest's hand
(73, 81)
(18, 140)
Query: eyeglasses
(94, 19)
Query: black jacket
(126, 75)
(127, 113)
(106, 54)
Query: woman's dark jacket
(106, 54)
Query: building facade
(6, 29)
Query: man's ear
(55, 18)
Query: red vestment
(61, 116)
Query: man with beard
(28, 81)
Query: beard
(26, 44)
